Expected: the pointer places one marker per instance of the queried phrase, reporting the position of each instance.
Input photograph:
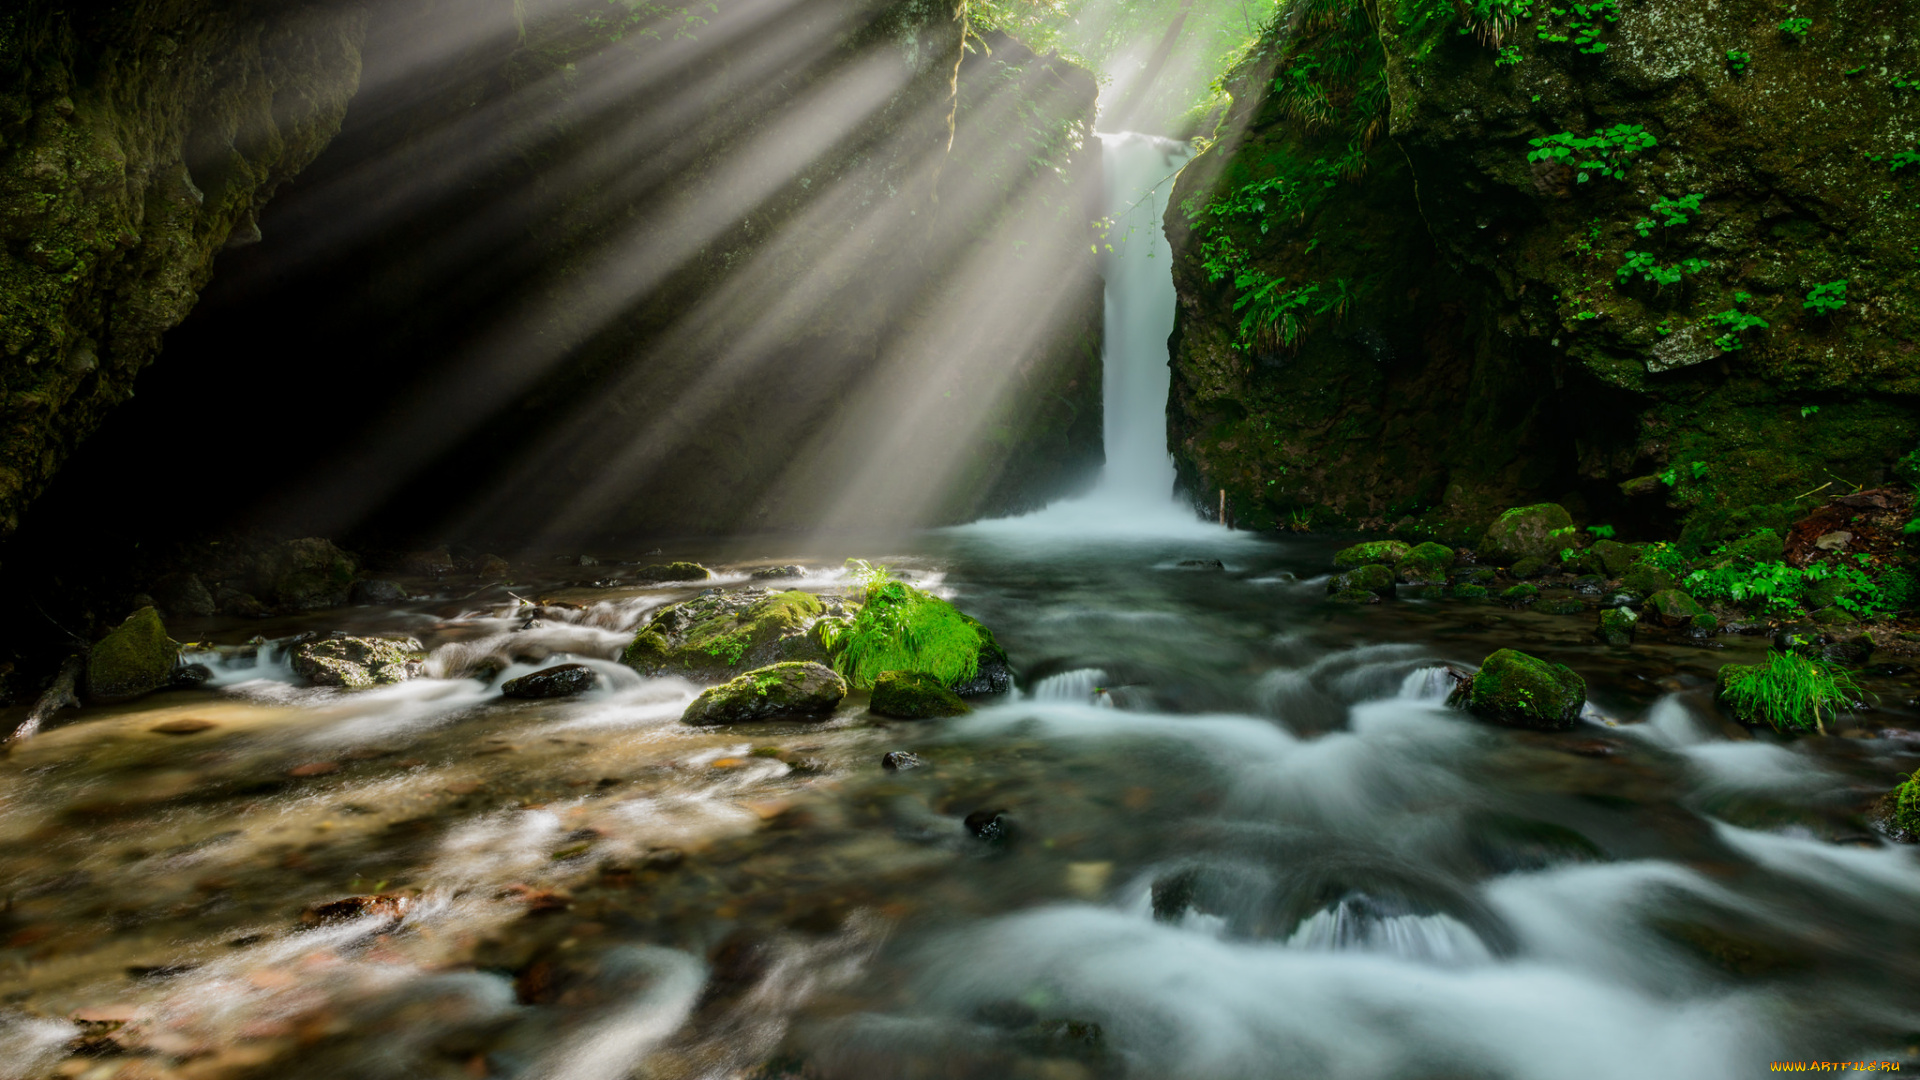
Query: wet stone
(792, 690)
(1201, 564)
(356, 663)
(771, 573)
(375, 591)
(913, 695)
(661, 573)
(391, 906)
(990, 826)
(186, 725)
(900, 761)
(565, 680)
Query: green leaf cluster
(1828, 298)
(1584, 21)
(1673, 213)
(1738, 59)
(1645, 264)
(1606, 152)
(1774, 588)
(1736, 322)
(1796, 28)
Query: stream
(1222, 829)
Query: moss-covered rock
(1373, 578)
(1762, 545)
(1898, 811)
(1645, 579)
(1532, 566)
(1354, 596)
(661, 573)
(1475, 575)
(1520, 594)
(718, 634)
(1617, 625)
(801, 691)
(1565, 605)
(1614, 557)
(901, 628)
(306, 575)
(1372, 553)
(1427, 564)
(1537, 531)
(135, 659)
(1520, 690)
(911, 695)
(1673, 608)
(357, 663)
(1469, 591)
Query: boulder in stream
(1520, 690)
(356, 663)
(1673, 608)
(564, 680)
(134, 660)
(1646, 579)
(183, 596)
(1539, 531)
(1615, 558)
(802, 691)
(1427, 564)
(306, 574)
(1375, 578)
(376, 591)
(911, 695)
(1373, 553)
(720, 633)
(1616, 626)
(1897, 813)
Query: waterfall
(1135, 491)
(1139, 317)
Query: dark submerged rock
(900, 761)
(376, 591)
(565, 680)
(911, 695)
(992, 677)
(182, 596)
(306, 574)
(1520, 690)
(1201, 564)
(990, 826)
(661, 573)
(789, 690)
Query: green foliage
(1648, 267)
(1908, 467)
(1905, 808)
(1774, 588)
(1601, 532)
(729, 648)
(1673, 213)
(900, 628)
(1735, 322)
(866, 576)
(1903, 159)
(1606, 152)
(1828, 298)
(1509, 56)
(1737, 60)
(1693, 470)
(1790, 691)
(1796, 28)
(1583, 23)
(1664, 557)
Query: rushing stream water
(1241, 836)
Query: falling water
(1134, 494)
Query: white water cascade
(1135, 491)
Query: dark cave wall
(137, 141)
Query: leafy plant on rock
(1828, 298)
(1672, 213)
(1735, 322)
(900, 628)
(1796, 28)
(1606, 152)
(1737, 60)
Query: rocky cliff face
(1651, 259)
(137, 140)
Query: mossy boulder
(911, 695)
(1645, 579)
(1474, 575)
(1469, 591)
(1673, 608)
(661, 573)
(1898, 811)
(1520, 690)
(1617, 625)
(1565, 605)
(1524, 531)
(1373, 553)
(305, 575)
(901, 628)
(1373, 578)
(135, 659)
(357, 663)
(806, 691)
(719, 634)
(1520, 594)
(1615, 557)
(1762, 545)
(1427, 564)
(1532, 566)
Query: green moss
(1372, 578)
(1644, 579)
(1520, 594)
(788, 690)
(1903, 809)
(1539, 531)
(674, 571)
(1426, 564)
(1617, 626)
(1674, 608)
(1469, 591)
(136, 658)
(900, 628)
(710, 635)
(1615, 558)
(1372, 552)
(911, 695)
(1520, 690)
(1790, 691)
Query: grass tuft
(1792, 692)
(900, 628)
